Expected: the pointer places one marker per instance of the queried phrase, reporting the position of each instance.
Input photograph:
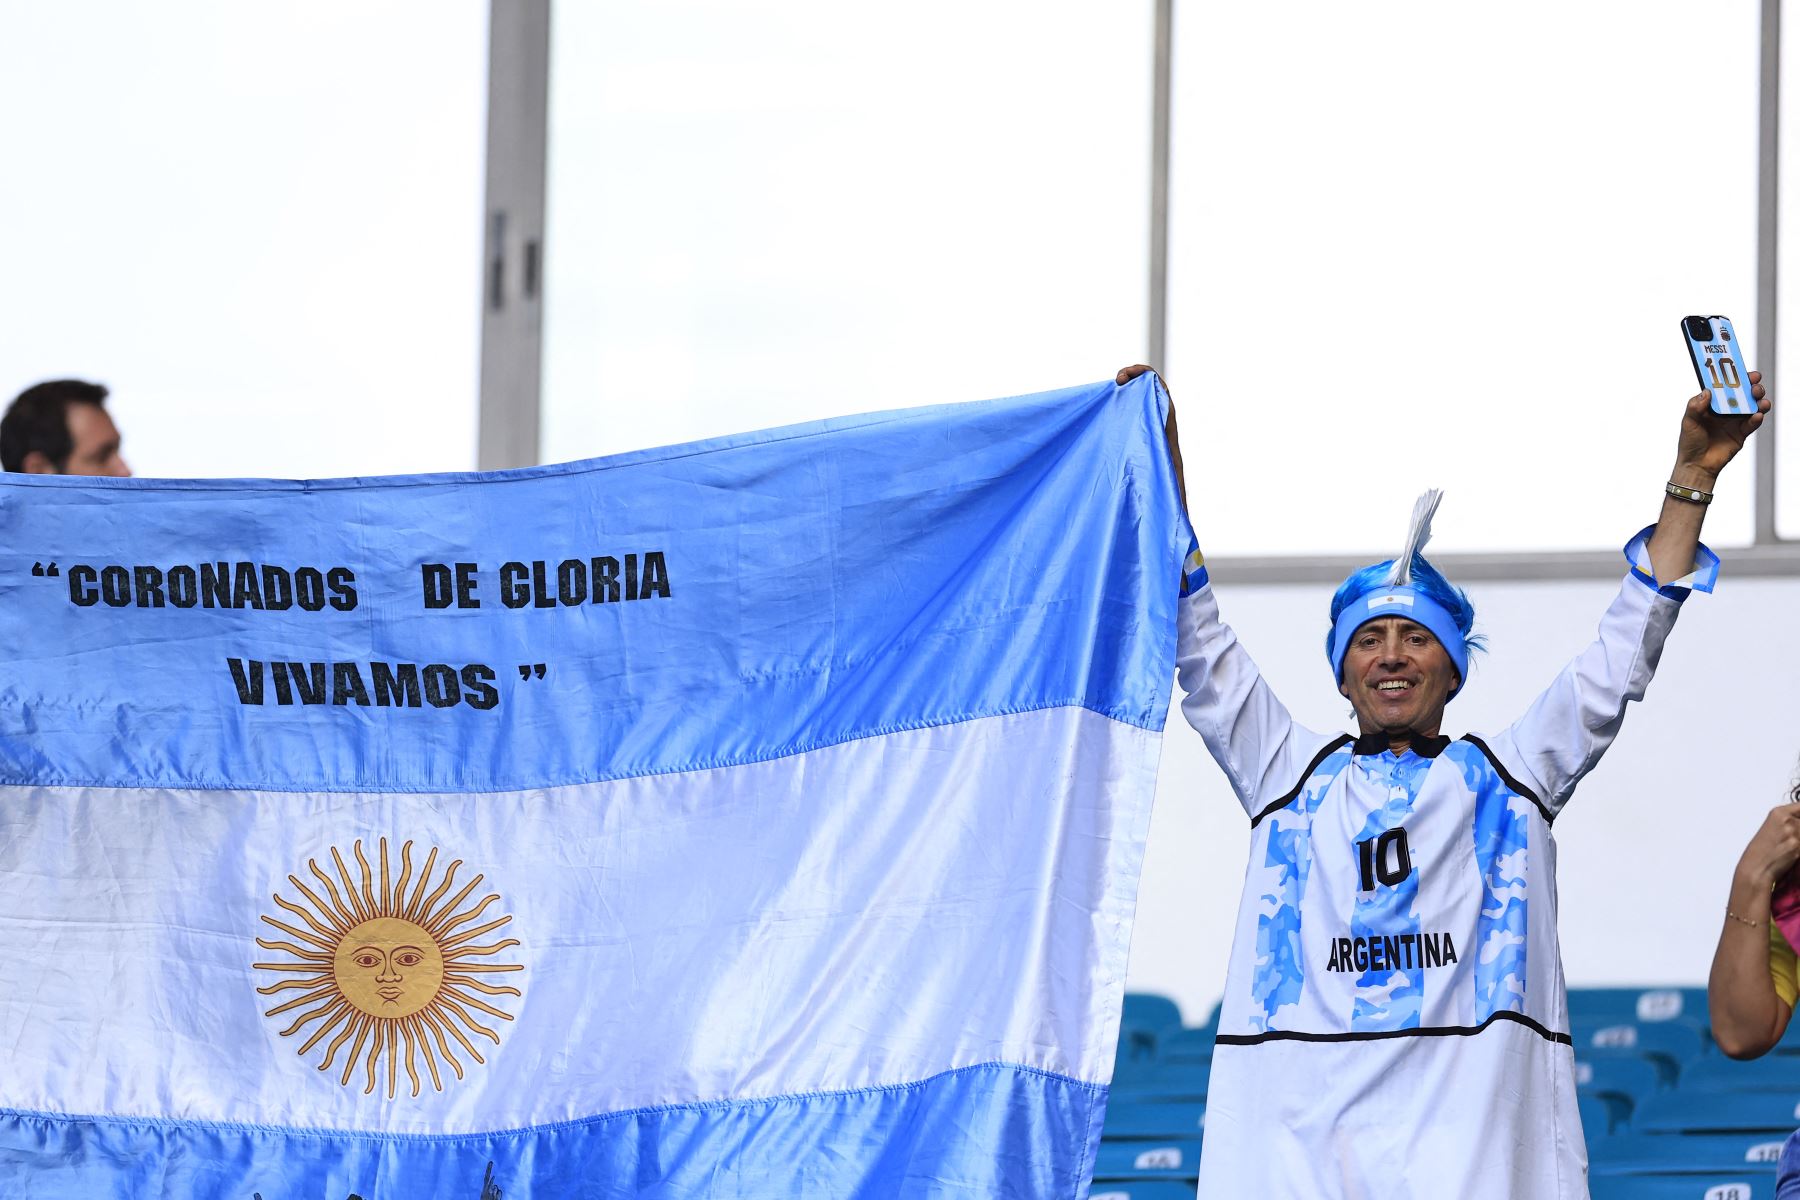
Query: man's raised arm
(1708, 442)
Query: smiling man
(1395, 1022)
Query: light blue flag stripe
(797, 588)
(990, 1132)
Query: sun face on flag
(395, 977)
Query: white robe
(1395, 1022)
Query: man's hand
(1126, 375)
(1709, 441)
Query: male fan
(1395, 1022)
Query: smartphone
(1718, 357)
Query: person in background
(1755, 975)
(61, 428)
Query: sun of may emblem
(395, 976)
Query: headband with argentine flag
(1397, 597)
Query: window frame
(514, 259)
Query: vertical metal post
(512, 296)
(1768, 187)
(1159, 189)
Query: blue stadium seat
(1153, 1119)
(1727, 1185)
(1640, 1006)
(1690, 1154)
(1770, 1073)
(1681, 1040)
(1136, 1045)
(1147, 1010)
(1602, 1116)
(1687, 1110)
(1153, 1189)
(1176, 1159)
(1186, 1045)
(1149, 1079)
(1622, 1073)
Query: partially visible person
(61, 428)
(1755, 974)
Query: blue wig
(1427, 598)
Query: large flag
(753, 818)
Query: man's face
(1397, 676)
(96, 441)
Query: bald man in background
(61, 428)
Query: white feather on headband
(1417, 534)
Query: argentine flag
(753, 818)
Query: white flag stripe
(875, 942)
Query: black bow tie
(1381, 743)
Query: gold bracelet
(1742, 921)
(1691, 495)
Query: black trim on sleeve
(1331, 748)
(1506, 777)
(1294, 1035)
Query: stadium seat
(1153, 1119)
(1186, 1045)
(1679, 1040)
(1679, 1154)
(1742, 1185)
(1144, 1017)
(1149, 1079)
(1136, 1045)
(1154, 1189)
(1688, 1110)
(1175, 1159)
(1641, 1006)
(1136, 1049)
(1770, 1073)
(1147, 1010)
(1601, 1116)
(1622, 1072)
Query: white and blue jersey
(1395, 1022)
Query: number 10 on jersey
(1386, 858)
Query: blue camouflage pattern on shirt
(1280, 967)
(1393, 997)
(1502, 833)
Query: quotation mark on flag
(526, 671)
(39, 569)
